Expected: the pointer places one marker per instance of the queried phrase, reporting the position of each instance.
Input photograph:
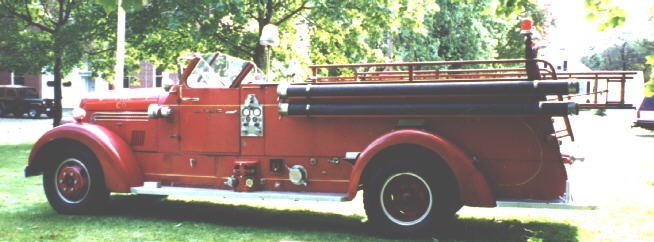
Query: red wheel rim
(72, 181)
(406, 198)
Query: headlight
(79, 114)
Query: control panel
(251, 117)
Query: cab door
(209, 120)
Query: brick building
(8, 78)
(82, 83)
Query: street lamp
(269, 38)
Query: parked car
(21, 100)
(645, 114)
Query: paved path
(16, 131)
(24, 130)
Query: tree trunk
(622, 56)
(57, 110)
(260, 55)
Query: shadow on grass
(298, 220)
(508, 230)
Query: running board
(564, 202)
(544, 204)
(204, 192)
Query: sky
(573, 36)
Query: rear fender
(116, 159)
(473, 187)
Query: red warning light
(526, 24)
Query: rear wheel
(410, 198)
(74, 183)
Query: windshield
(217, 70)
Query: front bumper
(644, 124)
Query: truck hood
(122, 100)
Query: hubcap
(32, 112)
(72, 181)
(406, 198)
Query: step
(556, 204)
(218, 193)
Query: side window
(11, 93)
(29, 93)
(158, 77)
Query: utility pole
(120, 48)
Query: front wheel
(33, 113)
(409, 199)
(74, 183)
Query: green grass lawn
(25, 215)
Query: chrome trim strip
(126, 112)
(118, 119)
(204, 192)
(120, 116)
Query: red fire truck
(420, 139)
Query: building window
(90, 83)
(126, 82)
(158, 77)
(19, 80)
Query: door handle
(192, 99)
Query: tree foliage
(468, 30)
(608, 16)
(329, 31)
(626, 56)
(611, 16)
(55, 35)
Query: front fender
(473, 187)
(116, 159)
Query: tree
(338, 30)
(610, 16)
(466, 30)
(626, 56)
(56, 35)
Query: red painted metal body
(121, 169)
(492, 157)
